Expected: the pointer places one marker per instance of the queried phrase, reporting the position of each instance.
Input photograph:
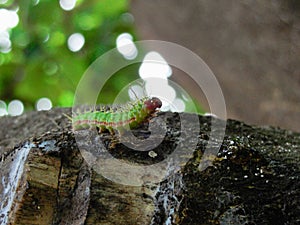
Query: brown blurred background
(253, 48)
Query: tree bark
(47, 179)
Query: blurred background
(253, 48)
(45, 47)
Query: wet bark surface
(47, 177)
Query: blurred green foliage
(40, 63)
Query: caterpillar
(117, 118)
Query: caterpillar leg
(111, 130)
(102, 129)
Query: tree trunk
(252, 47)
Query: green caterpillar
(132, 114)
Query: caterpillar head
(152, 104)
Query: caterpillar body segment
(117, 118)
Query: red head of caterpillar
(132, 114)
(152, 104)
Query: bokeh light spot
(43, 104)
(76, 42)
(67, 5)
(3, 110)
(87, 21)
(55, 39)
(21, 39)
(154, 65)
(126, 46)
(66, 99)
(8, 19)
(15, 108)
(50, 67)
(35, 2)
(2, 104)
(127, 18)
(5, 43)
